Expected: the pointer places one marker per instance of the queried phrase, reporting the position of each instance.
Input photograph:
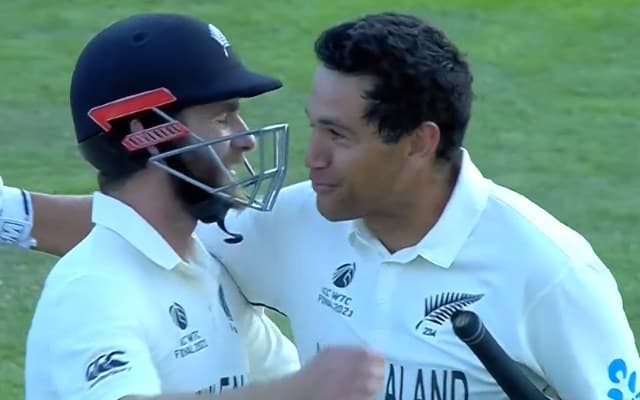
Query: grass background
(556, 115)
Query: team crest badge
(219, 37)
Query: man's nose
(317, 155)
(242, 143)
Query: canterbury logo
(104, 364)
(440, 308)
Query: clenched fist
(342, 373)
(336, 373)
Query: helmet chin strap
(214, 210)
(235, 237)
(202, 206)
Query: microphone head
(467, 326)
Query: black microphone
(507, 373)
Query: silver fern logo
(219, 37)
(223, 303)
(439, 308)
(225, 308)
(178, 315)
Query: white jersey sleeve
(255, 263)
(86, 343)
(580, 336)
(271, 354)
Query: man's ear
(424, 140)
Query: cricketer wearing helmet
(398, 228)
(139, 308)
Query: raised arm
(60, 221)
(49, 223)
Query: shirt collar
(120, 218)
(443, 242)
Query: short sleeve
(581, 338)
(97, 349)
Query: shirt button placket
(383, 305)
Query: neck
(175, 228)
(419, 209)
(173, 223)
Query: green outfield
(556, 115)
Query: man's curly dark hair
(419, 75)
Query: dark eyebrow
(231, 106)
(330, 122)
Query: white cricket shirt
(537, 285)
(122, 314)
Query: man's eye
(335, 133)
(222, 119)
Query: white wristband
(16, 217)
